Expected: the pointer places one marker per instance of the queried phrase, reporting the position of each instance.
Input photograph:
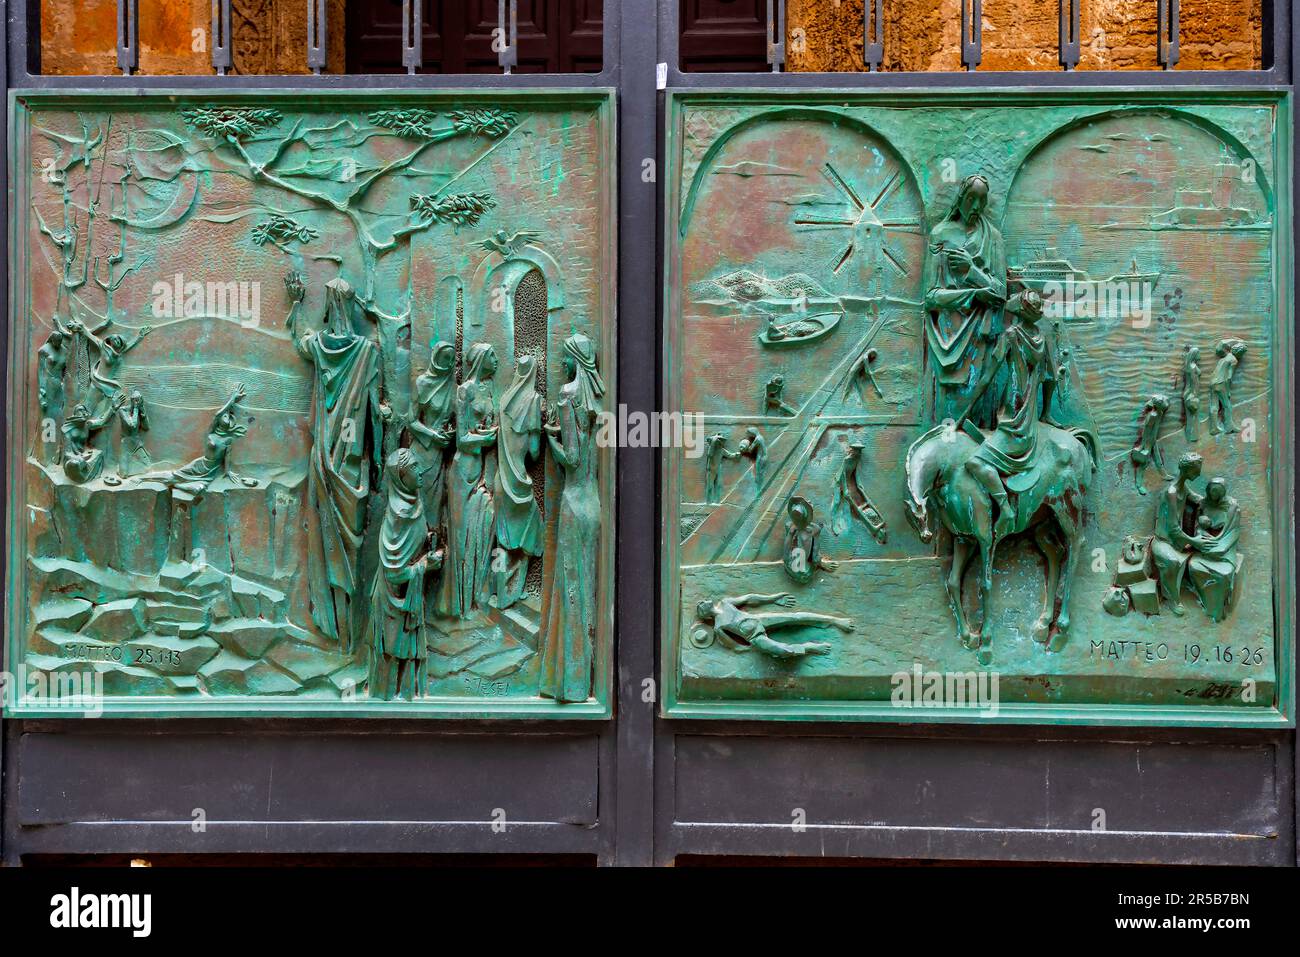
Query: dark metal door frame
(662, 788)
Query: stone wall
(925, 35)
(269, 36)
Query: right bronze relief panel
(986, 407)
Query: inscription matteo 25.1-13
(992, 403)
(303, 405)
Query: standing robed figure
(966, 289)
(347, 432)
(399, 650)
(471, 511)
(568, 631)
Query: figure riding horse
(1027, 475)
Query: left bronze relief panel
(303, 404)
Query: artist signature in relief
(1193, 653)
(124, 654)
(486, 687)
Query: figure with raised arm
(82, 461)
(347, 428)
(194, 477)
(112, 349)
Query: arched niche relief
(491, 292)
(1174, 207)
(530, 315)
(514, 302)
(802, 249)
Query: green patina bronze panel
(302, 404)
(994, 399)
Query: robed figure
(471, 510)
(346, 430)
(966, 288)
(1019, 379)
(520, 531)
(1214, 568)
(568, 630)
(430, 428)
(399, 650)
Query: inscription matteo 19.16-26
(996, 396)
(303, 404)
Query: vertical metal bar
(317, 35)
(640, 284)
(412, 34)
(7, 786)
(971, 33)
(128, 44)
(222, 59)
(508, 36)
(873, 34)
(776, 34)
(1068, 23)
(1167, 33)
(1287, 49)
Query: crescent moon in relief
(180, 208)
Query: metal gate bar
(1068, 32)
(1167, 33)
(412, 35)
(873, 34)
(222, 57)
(128, 41)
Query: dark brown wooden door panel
(555, 36)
